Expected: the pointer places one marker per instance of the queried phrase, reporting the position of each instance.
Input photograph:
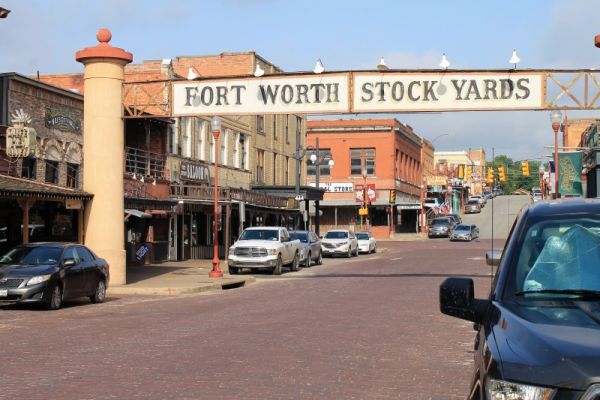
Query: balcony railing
(145, 163)
(206, 193)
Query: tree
(514, 175)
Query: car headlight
(37, 279)
(501, 390)
(272, 252)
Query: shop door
(173, 238)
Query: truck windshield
(260, 234)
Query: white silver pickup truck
(264, 247)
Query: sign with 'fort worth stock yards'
(361, 92)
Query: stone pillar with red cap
(103, 149)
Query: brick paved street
(360, 328)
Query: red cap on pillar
(103, 50)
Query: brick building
(382, 155)
(170, 160)
(39, 180)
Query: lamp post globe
(216, 272)
(556, 119)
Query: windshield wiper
(575, 292)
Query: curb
(224, 284)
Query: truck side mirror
(493, 257)
(457, 300)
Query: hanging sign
(361, 92)
(20, 141)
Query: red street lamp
(556, 118)
(216, 272)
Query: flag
(569, 173)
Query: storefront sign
(408, 207)
(194, 172)
(335, 187)
(59, 119)
(370, 92)
(141, 252)
(436, 180)
(73, 204)
(20, 141)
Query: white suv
(340, 242)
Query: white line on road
(395, 259)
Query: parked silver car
(340, 242)
(310, 247)
(466, 232)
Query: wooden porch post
(227, 228)
(25, 205)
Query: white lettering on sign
(194, 171)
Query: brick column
(103, 151)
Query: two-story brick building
(170, 160)
(377, 157)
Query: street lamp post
(315, 158)
(556, 119)
(216, 272)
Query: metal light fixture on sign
(258, 71)
(319, 68)
(515, 58)
(191, 74)
(444, 63)
(382, 65)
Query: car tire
(375, 249)
(319, 259)
(277, 268)
(308, 262)
(356, 252)
(349, 252)
(99, 293)
(295, 262)
(233, 270)
(55, 300)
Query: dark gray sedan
(310, 247)
(49, 273)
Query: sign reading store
(361, 92)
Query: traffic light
(501, 174)
(469, 173)
(525, 168)
(393, 196)
(490, 175)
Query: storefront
(36, 212)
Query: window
(362, 159)
(212, 149)
(224, 143)
(244, 155)
(287, 129)
(325, 156)
(260, 124)
(51, 172)
(174, 137)
(186, 135)
(274, 169)
(275, 127)
(72, 175)
(260, 166)
(84, 253)
(201, 129)
(286, 175)
(28, 168)
(236, 149)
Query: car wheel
(295, 262)
(349, 252)
(55, 300)
(375, 249)
(100, 292)
(308, 262)
(233, 270)
(320, 259)
(277, 267)
(356, 252)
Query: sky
(43, 35)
